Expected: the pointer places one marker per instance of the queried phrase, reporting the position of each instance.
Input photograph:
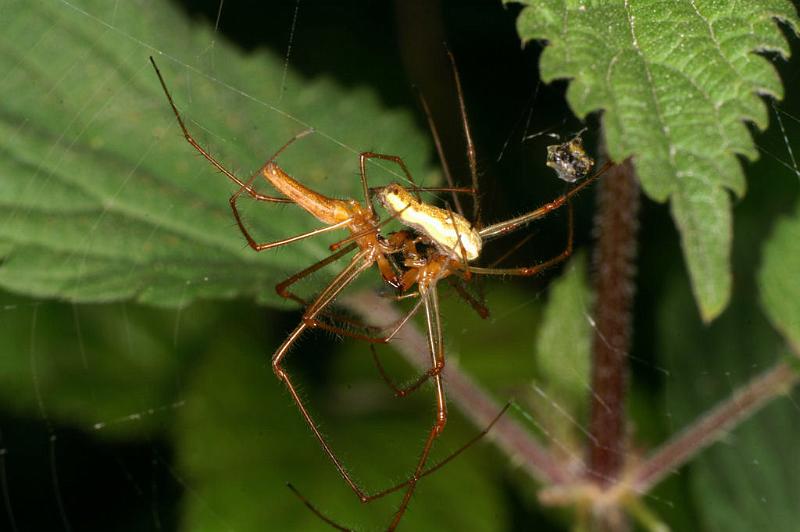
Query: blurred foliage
(70, 362)
(563, 347)
(122, 416)
(778, 279)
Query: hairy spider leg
(477, 304)
(509, 226)
(471, 156)
(316, 511)
(436, 349)
(360, 262)
(466, 445)
(437, 141)
(469, 443)
(538, 268)
(282, 289)
(210, 158)
(362, 166)
(403, 391)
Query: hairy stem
(474, 402)
(616, 223)
(713, 425)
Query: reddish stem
(714, 424)
(616, 223)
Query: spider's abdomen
(325, 209)
(450, 232)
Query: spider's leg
(514, 224)
(210, 158)
(503, 228)
(471, 158)
(357, 265)
(362, 165)
(269, 245)
(436, 348)
(527, 271)
(437, 141)
(478, 305)
(469, 443)
(282, 289)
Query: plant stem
(616, 223)
(742, 403)
(474, 402)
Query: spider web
(124, 416)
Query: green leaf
(101, 199)
(676, 81)
(779, 280)
(564, 342)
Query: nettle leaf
(676, 81)
(101, 199)
(779, 280)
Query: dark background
(392, 47)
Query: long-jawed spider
(440, 243)
(370, 246)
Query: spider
(439, 243)
(364, 226)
